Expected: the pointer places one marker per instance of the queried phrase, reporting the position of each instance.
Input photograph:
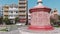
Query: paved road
(25, 30)
(11, 32)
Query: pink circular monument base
(40, 18)
(40, 28)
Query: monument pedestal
(40, 27)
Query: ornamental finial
(39, 2)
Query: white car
(20, 24)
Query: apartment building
(23, 10)
(10, 11)
(1, 11)
(29, 17)
(5, 11)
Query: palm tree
(16, 19)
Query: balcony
(22, 1)
(5, 14)
(12, 9)
(21, 9)
(5, 9)
(22, 13)
(22, 17)
(13, 13)
(23, 5)
(11, 17)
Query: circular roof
(40, 8)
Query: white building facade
(11, 12)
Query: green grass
(3, 29)
(56, 26)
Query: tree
(55, 21)
(7, 21)
(1, 20)
(16, 19)
(59, 17)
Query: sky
(31, 3)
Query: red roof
(40, 8)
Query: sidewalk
(25, 30)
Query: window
(22, 3)
(22, 7)
(10, 15)
(11, 11)
(16, 11)
(22, 11)
(22, 15)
